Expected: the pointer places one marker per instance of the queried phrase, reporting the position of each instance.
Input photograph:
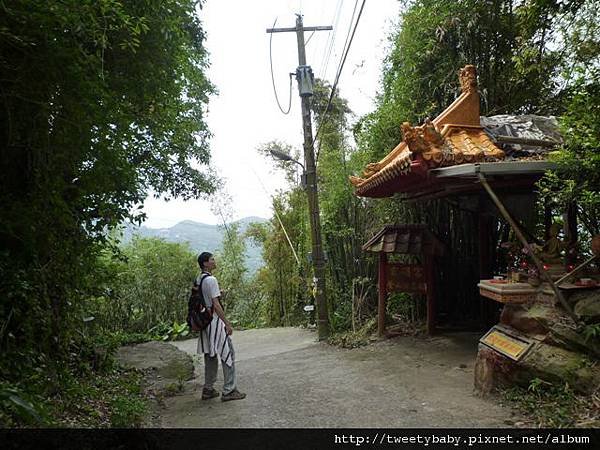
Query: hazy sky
(245, 114)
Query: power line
(348, 33)
(338, 70)
(337, 77)
(345, 50)
(329, 44)
(273, 76)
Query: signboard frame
(504, 341)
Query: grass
(85, 389)
(114, 399)
(100, 400)
(555, 406)
(353, 339)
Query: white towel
(213, 339)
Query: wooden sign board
(509, 345)
(406, 278)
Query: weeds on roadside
(556, 406)
(353, 339)
(114, 399)
(86, 389)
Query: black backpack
(199, 316)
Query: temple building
(442, 159)
(482, 174)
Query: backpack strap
(204, 276)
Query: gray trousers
(211, 366)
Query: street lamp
(285, 157)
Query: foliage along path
(293, 381)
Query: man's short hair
(204, 257)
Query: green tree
(231, 269)
(146, 287)
(102, 101)
(577, 182)
(287, 281)
(284, 280)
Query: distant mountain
(201, 237)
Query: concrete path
(293, 381)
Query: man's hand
(228, 329)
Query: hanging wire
(337, 77)
(278, 218)
(273, 76)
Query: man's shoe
(209, 393)
(233, 395)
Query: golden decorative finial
(468, 78)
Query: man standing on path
(215, 340)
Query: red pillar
(382, 293)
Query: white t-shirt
(210, 289)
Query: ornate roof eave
(453, 137)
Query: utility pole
(305, 78)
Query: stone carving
(425, 140)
